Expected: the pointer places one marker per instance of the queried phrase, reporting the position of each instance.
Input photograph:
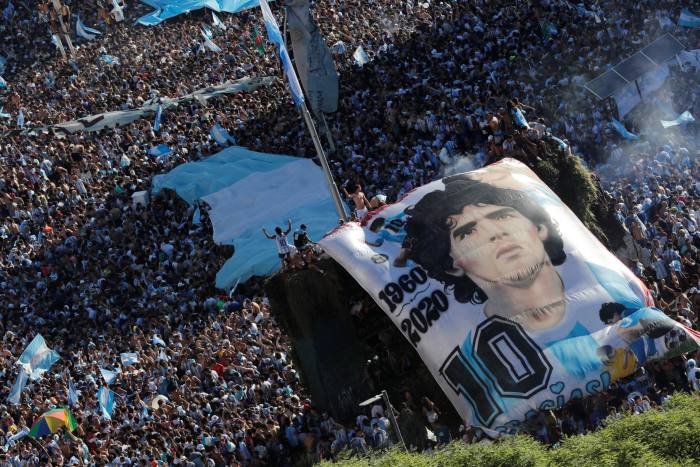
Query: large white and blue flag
(688, 19)
(109, 375)
(84, 31)
(275, 36)
(159, 114)
(129, 358)
(18, 387)
(37, 358)
(284, 188)
(105, 399)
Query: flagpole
(337, 200)
(324, 163)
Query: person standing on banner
(361, 202)
(280, 238)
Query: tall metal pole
(337, 200)
(392, 418)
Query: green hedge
(658, 438)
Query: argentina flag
(221, 136)
(109, 375)
(84, 31)
(129, 358)
(105, 399)
(72, 394)
(18, 387)
(274, 35)
(688, 19)
(37, 358)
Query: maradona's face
(496, 245)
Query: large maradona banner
(511, 302)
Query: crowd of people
(98, 274)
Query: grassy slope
(659, 438)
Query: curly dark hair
(429, 229)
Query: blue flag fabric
(275, 36)
(221, 135)
(158, 341)
(161, 150)
(9, 11)
(84, 31)
(20, 119)
(105, 398)
(18, 387)
(3, 114)
(72, 394)
(129, 358)
(206, 30)
(37, 358)
(683, 119)
(24, 432)
(624, 132)
(688, 19)
(109, 375)
(166, 9)
(159, 114)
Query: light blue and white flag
(159, 114)
(109, 60)
(624, 132)
(72, 394)
(84, 31)
(3, 114)
(162, 150)
(209, 44)
(217, 22)
(37, 358)
(3, 83)
(361, 57)
(683, 119)
(109, 375)
(158, 341)
(20, 119)
(206, 31)
(18, 387)
(688, 19)
(221, 135)
(275, 36)
(105, 398)
(129, 358)
(9, 11)
(14, 438)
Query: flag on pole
(688, 19)
(84, 31)
(275, 36)
(217, 22)
(37, 358)
(18, 387)
(72, 394)
(105, 398)
(129, 358)
(257, 41)
(159, 113)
